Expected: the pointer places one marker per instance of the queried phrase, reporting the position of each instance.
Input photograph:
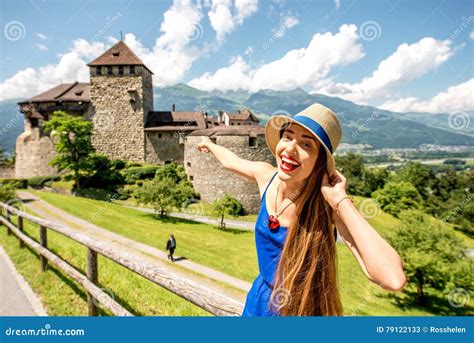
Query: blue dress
(269, 245)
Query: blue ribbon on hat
(316, 128)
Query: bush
(6, 192)
(395, 197)
(15, 183)
(133, 174)
(40, 181)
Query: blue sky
(400, 55)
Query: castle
(119, 102)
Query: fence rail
(199, 295)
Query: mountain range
(361, 124)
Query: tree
(227, 205)
(418, 175)
(395, 197)
(165, 191)
(73, 135)
(433, 257)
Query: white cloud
(41, 47)
(307, 66)
(71, 67)
(169, 59)
(406, 63)
(41, 36)
(455, 98)
(224, 19)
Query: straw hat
(317, 119)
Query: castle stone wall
(162, 147)
(212, 181)
(33, 154)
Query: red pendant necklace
(273, 222)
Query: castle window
(189, 164)
(132, 70)
(160, 135)
(120, 70)
(34, 122)
(238, 123)
(191, 178)
(98, 70)
(109, 70)
(252, 141)
(167, 162)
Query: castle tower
(121, 92)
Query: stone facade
(212, 181)
(33, 154)
(121, 104)
(164, 147)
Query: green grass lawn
(232, 252)
(62, 296)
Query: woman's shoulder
(265, 174)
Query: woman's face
(296, 153)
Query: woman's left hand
(334, 188)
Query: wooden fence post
(43, 237)
(9, 232)
(92, 275)
(20, 227)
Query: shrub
(15, 183)
(133, 174)
(40, 181)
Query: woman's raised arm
(253, 170)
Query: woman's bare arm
(253, 170)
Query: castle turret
(121, 91)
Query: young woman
(303, 199)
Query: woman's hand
(334, 188)
(203, 146)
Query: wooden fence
(199, 295)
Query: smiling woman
(307, 199)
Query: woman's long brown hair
(306, 279)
